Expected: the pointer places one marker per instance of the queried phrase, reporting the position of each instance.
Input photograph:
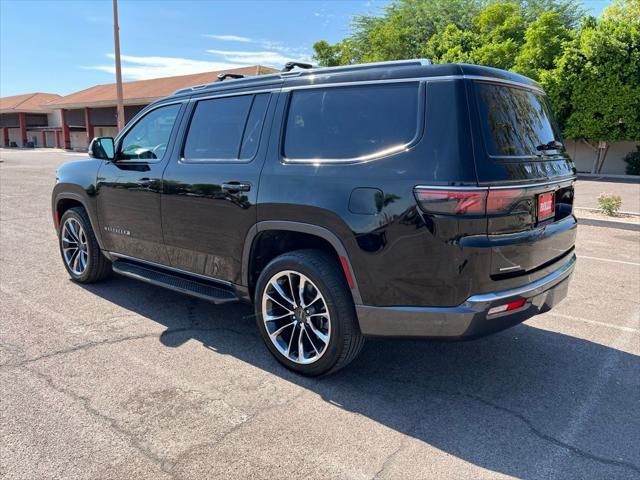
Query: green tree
(623, 10)
(543, 43)
(406, 26)
(595, 88)
(501, 28)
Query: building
(92, 112)
(26, 119)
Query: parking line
(595, 322)
(609, 260)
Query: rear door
(520, 157)
(210, 189)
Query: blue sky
(65, 46)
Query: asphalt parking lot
(125, 380)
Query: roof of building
(145, 91)
(28, 102)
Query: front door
(128, 188)
(210, 189)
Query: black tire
(346, 340)
(98, 267)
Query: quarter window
(354, 122)
(225, 128)
(148, 139)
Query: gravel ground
(124, 380)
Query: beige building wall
(584, 155)
(79, 141)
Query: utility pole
(116, 42)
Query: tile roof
(29, 102)
(144, 91)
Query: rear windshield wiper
(552, 145)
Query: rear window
(515, 121)
(346, 123)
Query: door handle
(233, 187)
(145, 182)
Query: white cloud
(229, 38)
(143, 68)
(272, 58)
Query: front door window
(149, 138)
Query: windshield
(516, 122)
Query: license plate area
(546, 206)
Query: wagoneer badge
(119, 231)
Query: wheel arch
(66, 200)
(329, 241)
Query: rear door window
(226, 128)
(351, 123)
(515, 122)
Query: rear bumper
(470, 319)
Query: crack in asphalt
(113, 341)
(533, 429)
(249, 420)
(166, 466)
(85, 402)
(389, 460)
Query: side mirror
(102, 148)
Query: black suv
(395, 199)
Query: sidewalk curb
(588, 209)
(595, 222)
(605, 176)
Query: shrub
(632, 160)
(609, 203)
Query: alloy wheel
(75, 248)
(296, 317)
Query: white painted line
(609, 260)
(595, 322)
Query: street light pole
(116, 41)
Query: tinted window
(350, 122)
(225, 128)
(514, 121)
(149, 137)
(253, 128)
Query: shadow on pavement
(526, 402)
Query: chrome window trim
(481, 78)
(177, 270)
(568, 181)
(419, 133)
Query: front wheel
(305, 313)
(79, 248)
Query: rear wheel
(305, 313)
(79, 248)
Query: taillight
(451, 202)
(505, 201)
(474, 201)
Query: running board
(202, 289)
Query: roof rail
(224, 76)
(358, 66)
(291, 65)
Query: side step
(178, 282)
